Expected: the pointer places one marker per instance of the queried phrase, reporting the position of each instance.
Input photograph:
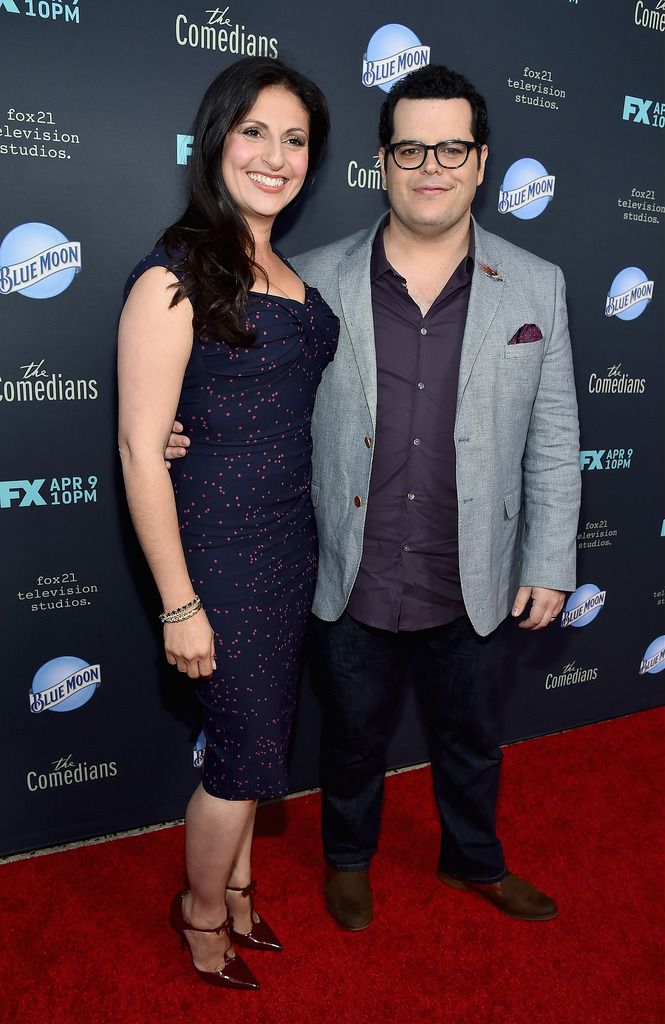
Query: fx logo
(615, 458)
(591, 459)
(9, 6)
(183, 148)
(636, 109)
(640, 111)
(26, 490)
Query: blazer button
(368, 442)
(357, 501)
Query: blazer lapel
(484, 301)
(355, 289)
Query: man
(446, 485)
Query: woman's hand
(190, 645)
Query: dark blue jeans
(360, 676)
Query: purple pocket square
(527, 332)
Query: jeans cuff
(470, 878)
(359, 866)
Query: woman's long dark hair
(212, 245)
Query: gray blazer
(516, 430)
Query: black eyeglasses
(450, 154)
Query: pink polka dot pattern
(247, 527)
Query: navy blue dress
(247, 527)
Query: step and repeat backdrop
(96, 105)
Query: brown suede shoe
(512, 895)
(349, 898)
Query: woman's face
(265, 155)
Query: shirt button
(357, 501)
(420, 385)
(423, 330)
(405, 547)
(368, 442)
(410, 495)
(416, 440)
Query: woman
(218, 327)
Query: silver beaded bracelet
(185, 611)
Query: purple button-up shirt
(409, 572)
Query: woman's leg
(216, 830)
(241, 876)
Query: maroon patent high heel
(235, 973)
(261, 935)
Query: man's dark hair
(434, 82)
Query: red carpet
(85, 938)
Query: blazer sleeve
(550, 466)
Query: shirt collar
(379, 264)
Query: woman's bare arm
(154, 345)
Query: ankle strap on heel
(181, 924)
(248, 890)
(226, 927)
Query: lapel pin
(490, 271)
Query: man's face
(432, 200)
